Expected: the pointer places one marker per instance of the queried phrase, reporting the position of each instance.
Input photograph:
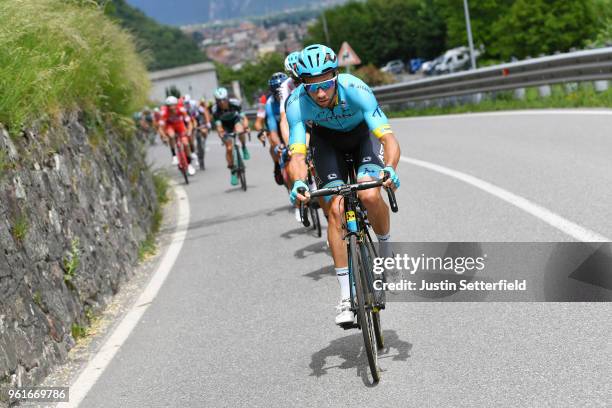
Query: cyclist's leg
(229, 152)
(240, 131)
(171, 136)
(331, 170)
(369, 165)
(184, 139)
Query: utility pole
(469, 33)
(325, 29)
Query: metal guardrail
(580, 66)
(591, 65)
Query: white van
(455, 60)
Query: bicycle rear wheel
(364, 307)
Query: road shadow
(222, 219)
(351, 350)
(321, 273)
(238, 188)
(294, 233)
(319, 247)
(284, 208)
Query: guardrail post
(601, 86)
(519, 93)
(544, 91)
(571, 87)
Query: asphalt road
(245, 318)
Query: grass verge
(63, 55)
(148, 247)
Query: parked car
(455, 60)
(428, 67)
(393, 67)
(415, 64)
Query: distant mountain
(180, 12)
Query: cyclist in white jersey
(286, 89)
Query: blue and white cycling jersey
(355, 102)
(272, 114)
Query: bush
(373, 76)
(60, 55)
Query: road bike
(181, 153)
(201, 137)
(366, 301)
(311, 212)
(239, 168)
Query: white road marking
(534, 112)
(570, 228)
(96, 366)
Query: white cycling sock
(384, 245)
(343, 280)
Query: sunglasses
(324, 85)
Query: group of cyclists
(313, 117)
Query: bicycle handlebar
(346, 188)
(303, 214)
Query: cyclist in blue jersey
(272, 109)
(346, 119)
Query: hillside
(167, 46)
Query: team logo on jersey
(367, 159)
(332, 176)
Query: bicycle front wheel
(368, 253)
(316, 221)
(240, 169)
(201, 149)
(364, 307)
(183, 163)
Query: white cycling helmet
(171, 100)
(221, 93)
(291, 63)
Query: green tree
(534, 27)
(483, 15)
(253, 77)
(378, 30)
(603, 13)
(431, 30)
(165, 46)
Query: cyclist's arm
(207, 116)
(261, 117)
(284, 127)
(272, 125)
(296, 168)
(378, 123)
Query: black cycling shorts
(329, 147)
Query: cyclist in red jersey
(175, 121)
